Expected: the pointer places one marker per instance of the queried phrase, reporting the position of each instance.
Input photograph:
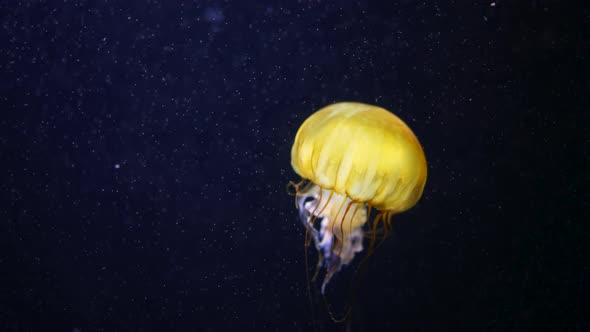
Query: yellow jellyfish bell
(355, 157)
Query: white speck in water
(117, 166)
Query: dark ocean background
(145, 152)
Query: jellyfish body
(356, 157)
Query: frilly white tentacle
(340, 235)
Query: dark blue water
(145, 152)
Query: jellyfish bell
(353, 157)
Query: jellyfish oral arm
(340, 234)
(338, 253)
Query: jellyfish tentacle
(374, 235)
(342, 227)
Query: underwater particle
(354, 157)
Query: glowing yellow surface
(364, 152)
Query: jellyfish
(352, 158)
